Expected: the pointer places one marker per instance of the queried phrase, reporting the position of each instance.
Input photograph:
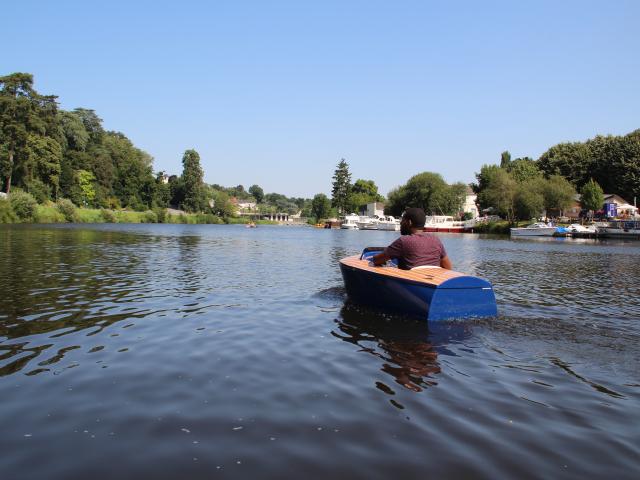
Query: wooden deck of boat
(430, 276)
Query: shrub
(39, 190)
(161, 214)
(7, 215)
(207, 218)
(23, 204)
(48, 213)
(68, 210)
(149, 217)
(108, 216)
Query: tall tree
(193, 177)
(341, 187)
(505, 159)
(523, 169)
(428, 191)
(320, 206)
(498, 191)
(363, 192)
(257, 193)
(592, 196)
(558, 194)
(23, 111)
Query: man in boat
(414, 248)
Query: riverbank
(55, 213)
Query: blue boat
(432, 293)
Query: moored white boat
(367, 223)
(443, 223)
(621, 228)
(577, 228)
(389, 223)
(534, 230)
(350, 222)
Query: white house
(247, 205)
(373, 209)
(470, 205)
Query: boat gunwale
(362, 265)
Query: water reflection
(403, 345)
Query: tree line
(53, 154)
(523, 188)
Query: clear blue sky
(276, 92)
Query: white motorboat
(350, 222)
(389, 223)
(621, 228)
(443, 223)
(577, 228)
(539, 229)
(367, 223)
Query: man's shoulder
(424, 237)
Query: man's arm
(380, 259)
(446, 263)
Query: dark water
(168, 351)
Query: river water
(166, 351)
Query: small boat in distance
(538, 229)
(350, 222)
(432, 293)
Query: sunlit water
(166, 351)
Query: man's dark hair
(416, 215)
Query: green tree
(85, 191)
(523, 169)
(529, 198)
(23, 112)
(505, 159)
(74, 132)
(428, 191)
(592, 196)
(43, 166)
(222, 205)
(320, 206)
(193, 175)
(362, 193)
(558, 194)
(498, 191)
(257, 193)
(341, 187)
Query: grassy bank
(502, 227)
(68, 213)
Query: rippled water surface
(166, 351)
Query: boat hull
(444, 229)
(533, 232)
(458, 297)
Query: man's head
(413, 219)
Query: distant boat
(621, 228)
(577, 228)
(250, 225)
(433, 293)
(443, 223)
(350, 222)
(539, 229)
(389, 223)
(367, 223)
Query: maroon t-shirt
(416, 250)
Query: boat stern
(463, 297)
